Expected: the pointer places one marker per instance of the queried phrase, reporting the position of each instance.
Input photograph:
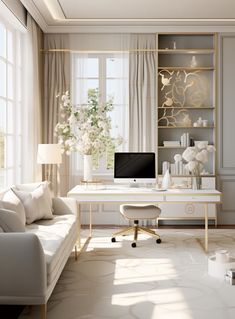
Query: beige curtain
(32, 129)
(142, 88)
(56, 81)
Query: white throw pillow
(29, 187)
(36, 203)
(11, 201)
(10, 221)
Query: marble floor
(166, 281)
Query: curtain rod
(97, 51)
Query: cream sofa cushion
(10, 221)
(11, 202)
(36, 203)
(55, 236)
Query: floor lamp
(49, 154)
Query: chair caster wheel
(158, 241)
(133, 245)
(113, 240)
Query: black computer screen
(134, 165)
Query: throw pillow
(29, 187)
(11, 202)
(10, 221)
(36, 203)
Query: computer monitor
(134, 168)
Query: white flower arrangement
(86, 128)
(197, 156)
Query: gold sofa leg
(43, 311)
(76, 252)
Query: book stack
(178, 168)
(230, 276)
(185, 140)
(171, 143)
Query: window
(10, 105)
(108, 73)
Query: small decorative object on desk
(86, 129)
(196, 157)
(94, 184)
(166, 181)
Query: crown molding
(10, 17)
(138, 29)
(128, 25)
(36, 14)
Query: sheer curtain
(32, 123)
(142, 96)
(56, 81)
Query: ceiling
(126, 15)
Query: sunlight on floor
(164, 299)
(131, 270)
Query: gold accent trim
(198, 127)
(186, 218)
(209, 68)
(186, 51)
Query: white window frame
(76, 160)
(12, 173)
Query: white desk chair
(136, 213)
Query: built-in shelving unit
(186, 92)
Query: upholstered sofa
(34, 245)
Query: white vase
(166, 181)
(87, 173)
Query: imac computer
(134, 168)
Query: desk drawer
(193, 198)
(186, 211)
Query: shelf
(187, 107)
(186, 51)
(189, 176)
(172, 147)
(188, 127)
(184, 68)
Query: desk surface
(110, 193)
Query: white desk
(118, 195)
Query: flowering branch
(86, 128)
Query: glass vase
(196, 182)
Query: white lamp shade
(49, 154)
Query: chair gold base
(136, 229)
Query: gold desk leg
(79, 226)
(90, 220)
(206, 228)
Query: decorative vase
(196, 182)
(87, 173)
(166, 181)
